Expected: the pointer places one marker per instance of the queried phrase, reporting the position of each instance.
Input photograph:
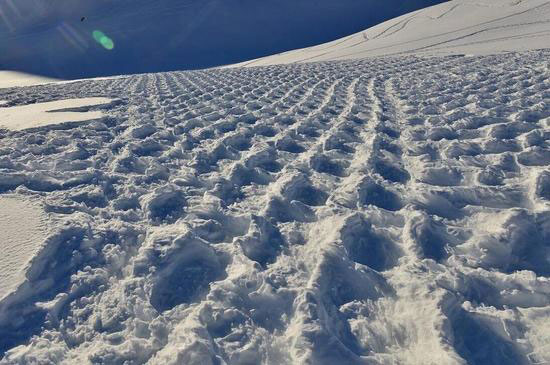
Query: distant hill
(455, 27)
(57, 39)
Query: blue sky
(48, 37)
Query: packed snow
(454, 27)
(382, 210)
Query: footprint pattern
(354, 212)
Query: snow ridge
(376, 211)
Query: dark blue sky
(48, 37)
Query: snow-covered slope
(455, 27)
(382, 210)
(391, 210)
(63, 39)
(22, 230)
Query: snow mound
(454, 27)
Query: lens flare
(72, 36)
(102, 39)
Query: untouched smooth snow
(19, 79)
(477, 27)
(386, 210)
(22, 232)
(22, 117)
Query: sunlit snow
(454, 27)
(49, 113)
(19, 79)
(360, 210)
(22, 232)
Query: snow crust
(479, 27)
(22, 231)
(36, 115)
(375, 211)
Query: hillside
(375, 210)
(451, 28)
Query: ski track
(386, 210)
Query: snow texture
(383, 210)
(388, 210)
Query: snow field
(376, 211)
